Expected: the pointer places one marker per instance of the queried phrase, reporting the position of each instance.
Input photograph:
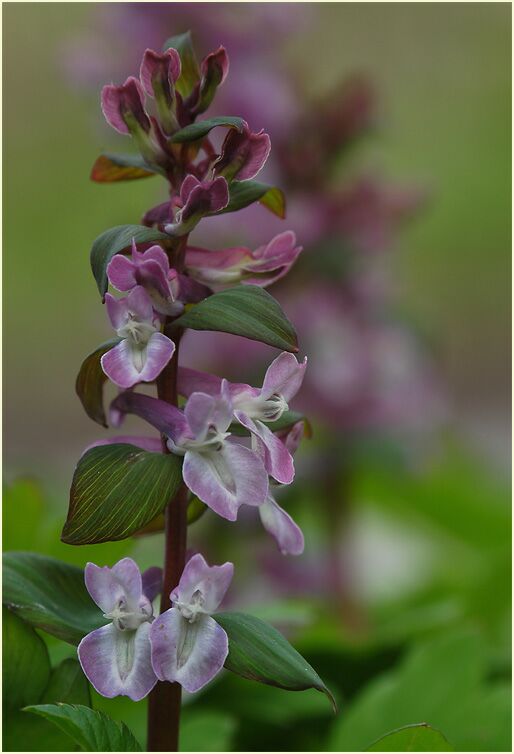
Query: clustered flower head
(155, 284)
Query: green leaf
(441, 682)
(117, 490)
(111, 168)
(50, 595)
(113, 241)
(90, 729)
(90, 382)
(259, 652)
(195, 510)
(206, 731)
(245, 310)
(67, 684)
(202, 128)
(418, 737)
(244, 193)
(25, 667)
(190, 70)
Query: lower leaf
(90, 729)
(259, 652)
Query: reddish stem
(164, 701)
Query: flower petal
(284, 376)
(159, 66)
(121, 272)
(203, 411)
(117, 310)
(226, 479)
(281, 526)
(276, 457)
(139, 304)
(189, 653)
(167, 419)
(107, 585)
(122, 102)
(119, 367)
(118, 662)
(211, 581)
(159, 351)
(243, 154)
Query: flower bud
(158, 76)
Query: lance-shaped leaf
(202, 128)
(111, 168)
(244, 193)
(190, 70)
(50, 595)
(259, 652)
(245, 310)
(115, 240)
(91, 729)
(90, 382)
(418, 737)
(117, 490)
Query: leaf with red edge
(112, 168)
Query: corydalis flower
(123, 108)
(117, 657)
(213, 72)
(198, 198)
(264, 266)
(150, 269)
(222, 473)
(144, 351)
(243, 154)
(254, 406)
(158, 74)
(188, 646)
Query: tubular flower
(158, 75)
(188, 646)
(150, 269)
(117, 657)
(254, 406)
(222, 473)
(213, 72)
(264, 266)
(198, 198)
(123, 109)
(144, 351)
(243, 154)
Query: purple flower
(117, 657)
(188, 646)
(159, 74)
(264, 266)
(213, 72)
(198, 198)
(243, 154)
(253, 406)
(144, 351)
(222, 473)
(150, 269)
(124, 110)
(280, 525)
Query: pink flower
(264, 266)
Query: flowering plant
(218, 445)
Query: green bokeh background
(443, 73)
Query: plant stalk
(164, 701)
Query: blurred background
(390, 126)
